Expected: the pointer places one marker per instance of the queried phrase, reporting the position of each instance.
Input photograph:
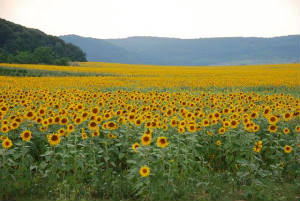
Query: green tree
(44, 55)
(25, 57)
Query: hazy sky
(167, 18)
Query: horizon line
(166, 37)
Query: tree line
(19, 44)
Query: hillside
(101, 50)
(202, 51)
(19, 44)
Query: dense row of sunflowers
(94, 133)
(61, 113)
(145, 76)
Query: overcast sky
(166, 18)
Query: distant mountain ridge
(202, 51)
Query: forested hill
(202, 51)
(19, 44)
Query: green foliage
(19, 44)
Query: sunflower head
(287, 149)
(272, 128)
(53, 139)
(7, 143)
(146, 139)
(144, 171)
(286, 131)
(162, 142)
(135, 146)
(26, 136)
(218, 143)
(222, 130)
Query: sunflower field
(136, 132)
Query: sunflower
(199, 126)
(50, 120)
(173, 122)
(256, 128)
(98, 119)
(191, 128)
(234, 123)
(104, 126)
(4, 128)
(84, 135)
(273, 119)
(111, 125)
(218, 143)
(42, 111)
(257, 147)
(5, 122)
(43, 129)
(144, 171)
(121, 120)
(56, 120)
(3, 137)
(93, 125)
(53, 139)
(148, 131)
(45, 123)
(181, 130)
(214, 121)
(4, 108)
(61, 131)
(119, 112)
(14, 125)
(79, 107)
(111, 136)
(205, 122)
(107, 116)
(146, 139)
(209, 133)
(70, 128)
(95, 133)
(78, 120)
(226, 111)
(287, 116)
(26, 136)
(131, 117)
(7, 143)
(222, 130)
(267, 111)
(84, 115)
(162, 142)
(287, 149)
(95, 110)
(137, 122)
(272, 128)
(286, 131)
(254, 115)
(226, 124)
(182, 123)
(135, 146)
(64, 121)
(30, 115)
(217, 115)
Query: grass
(23, 72)
(214, 190)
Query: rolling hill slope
(203, 51)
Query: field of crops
(137, 132)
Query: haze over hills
(202, 51)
